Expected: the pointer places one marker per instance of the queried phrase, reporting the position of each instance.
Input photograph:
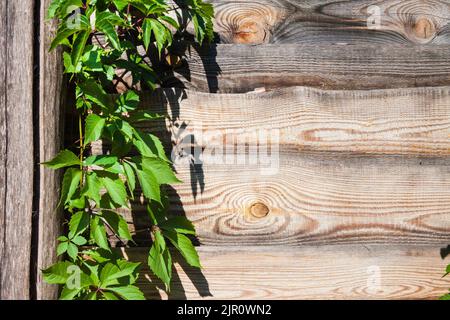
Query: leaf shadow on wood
(445, 252)
(177, 145)
(143, 239)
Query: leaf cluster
(99, 38)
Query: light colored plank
(315, 199)
(348, 167)
(15, 260)
(50, 142)
(241, 68)
(400, 122)
(325, 272)
(332, 21)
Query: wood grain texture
(3, 137)
(50, 142)
(399, 122)
(314, 199)
(340, 167)
(243, 68)
(332, 21)
(324, 272)
(18, 137)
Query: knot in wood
(250, 32)
(424, 28)
(259, 210)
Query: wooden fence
(357, 202)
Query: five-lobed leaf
(93, 66)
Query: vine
(100, 37)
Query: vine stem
(80, 128)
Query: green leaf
(53, 8)
(117, 223)
(179, 225)
(98, 233)
(79, 240)
(128, 101)
(116, 189)
(62, 34)
(57, 273)
(139, 116)
(78, 46)
(131, 178)
(185, 246)
(92, 60)
(102, 255)
(147, 33)
(109, 295)
(170, 21)
(109, 30)
(162, 34)
(121, 4)
(62, 248)
(101, 160)
(149, 145)
(149, 185)
(72, 251)
(69, 294)
(79, 222)
(445, 297)
(64, 159)
(160, 169)
(109, 275)
(125, 128)
(128, 292)
(70, 184)
(94, 128)
(160, 260)
(93, 187)
(95, 93)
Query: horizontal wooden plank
(243, 68)
(326, 272)
(404, 121)
(331, 21)
(340, 167)
(313, 199)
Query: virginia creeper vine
(101, 37)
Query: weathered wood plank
(50, 141)
(340, 167)
(332, 21)
(314, 199)
(402, 122)
(3, 138)
(18, 122)
(324, 272)
(242, 68)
